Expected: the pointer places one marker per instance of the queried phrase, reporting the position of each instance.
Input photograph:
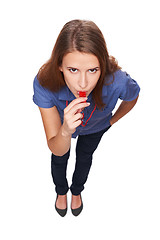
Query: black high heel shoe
(61, 212)
(77, 211)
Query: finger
(76, 117)
(74, 102)
(77, 123)
(74, 122)
(78, 108)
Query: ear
(60, 68)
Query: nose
(83, 81)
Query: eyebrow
(88, 68)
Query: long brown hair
(83, 36)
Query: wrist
(64, 132)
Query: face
(81, 72)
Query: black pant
(86, 145)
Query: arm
(123, 109)
(57, 142)
(59, 135)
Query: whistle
(82, 94)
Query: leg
(58, 169)
(86, 145)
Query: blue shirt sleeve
(130, 88)
(41, 95)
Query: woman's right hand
(73, 115)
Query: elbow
(57, 152)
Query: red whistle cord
(83, 125)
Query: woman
(76, 91)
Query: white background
(122, 194)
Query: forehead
(78, 59)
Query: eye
(73, 70)
(93, 70)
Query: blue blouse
(123, 87)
